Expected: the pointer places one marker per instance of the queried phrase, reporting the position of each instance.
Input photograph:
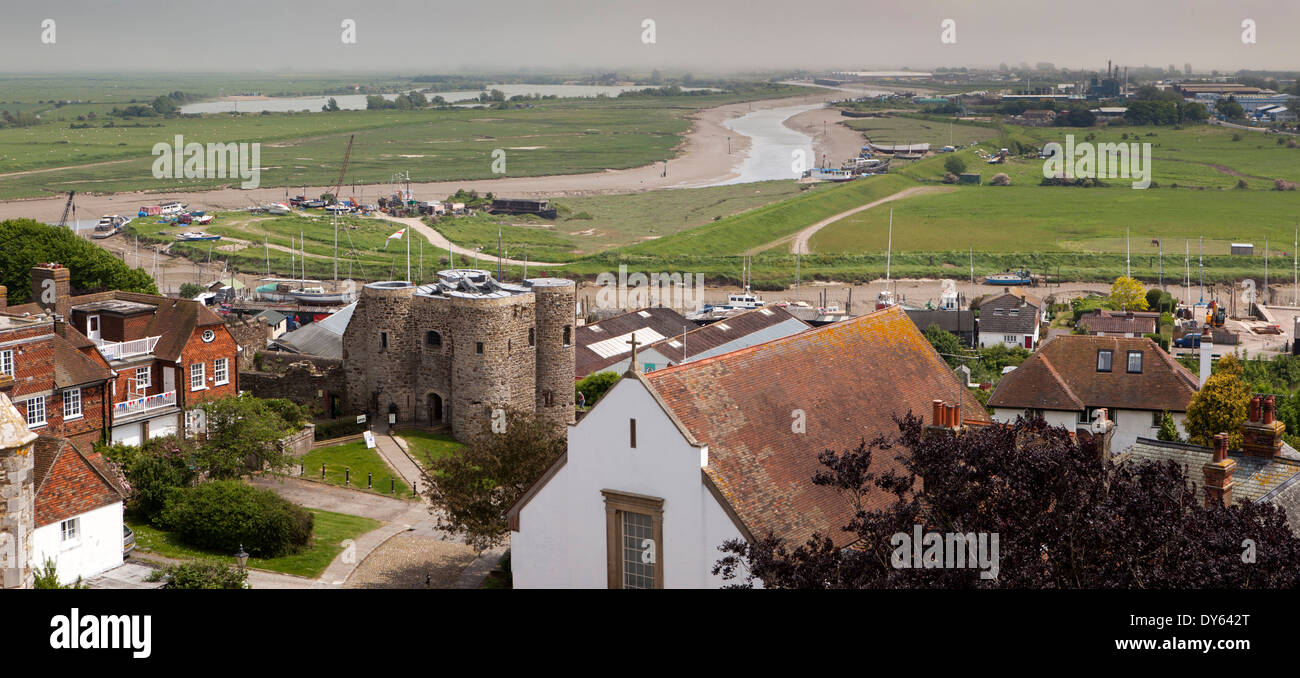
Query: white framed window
(69, 530)
(220, 371)
(1011, 339)
(36, 412)
(7, 363)
(197, 374)
(72, 403)
(143, 377)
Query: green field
(899, 130)
(328, 533)
(557, 136)
(426, 446)
(357, 459)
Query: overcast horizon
(716, 36)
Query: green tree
(25, 243)
(471, 491)
(1168, 429)
(954, 164)
(1220, 406)
(190, 290)
(1230, 108)
(1126, 294)
(330, 106)
(593, 386)
(165, 106)
(242, 429)
(945, 343)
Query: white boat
(192, 236)
(318, 295)
(109, 226)
(744, 300)
(278, 209)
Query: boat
(109, 226)
(318, 295)
(836, 175)
(1020, 277)
(203, 219)
(278, 209)
(192, 236)
(744, 300)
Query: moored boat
(1020, 277)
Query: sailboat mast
(889, 251)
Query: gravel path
(412, 561)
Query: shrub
(954, 164)
(201, 574)
(152, 479)
(1241, 184)
(949, 178)
(1001, 179)
(190, 290)
(338, 429)
(593, 386)
(223, 515)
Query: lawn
(425, 446)
(900, 130)
(330, 530)
(338, 459)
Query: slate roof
(1253, 480)
(705, 341)
(661, 323)
(956, 322)
(73, 367)
(1062, 375)
(67, 482)
(849, 378)
(1108, 322)
(996, 317)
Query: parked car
(1188, 341)
(128, 541)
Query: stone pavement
(394, 451)
(131, 574)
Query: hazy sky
(409, 36)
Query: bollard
(392, 486)
(322, 470)
(369, 484)
(347, 476)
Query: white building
(78, 512)
(670, 465)
(1012, 319)
(1070, 377)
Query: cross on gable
(633, 342)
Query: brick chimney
(1218, 474)
(1100, 431)
(944, 417)
(1261, 433)
(4, 297)
(51, 287)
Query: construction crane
(69, 207)
(338, 186)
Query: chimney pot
(1220, 446)
(1218, 474)
(1269, 410)
(936, 418)
(956, 415)
(1254, 409)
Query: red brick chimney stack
(51, 288)
(1261, 434)
(1218, 474)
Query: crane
(343, 170)
(68, 208)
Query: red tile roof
(849, 379)
(1063, 375)
(67, 482)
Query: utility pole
(1128, 265)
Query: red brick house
(59, 390)
(165, 355)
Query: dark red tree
(1065, 515)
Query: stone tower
(17, 498)
(456, 351)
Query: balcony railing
(144, 404)
(120, 350)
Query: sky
(703, 36)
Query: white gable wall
(561, 542)
(98, 546)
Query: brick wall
(198, 351)
(251, 334)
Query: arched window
(432, 338)
(568, 334)
(532, 337)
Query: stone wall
(310, 381)
(299, 443)
(251, 334)
(17, 498)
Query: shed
(1244, 248)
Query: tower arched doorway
(433, 409)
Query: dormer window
(1104, 357)
(1135, 362)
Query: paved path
(341, 500)
(394, 452)
(800, 239)
(443, 244)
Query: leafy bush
(47, 577)
(593, 386)
(1001, 179)
(190, 290)
(152, 471)
(954, 164)
(25, 243)
(222, 515)
(201, 574)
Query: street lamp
(241, 558)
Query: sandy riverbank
(702, 160)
